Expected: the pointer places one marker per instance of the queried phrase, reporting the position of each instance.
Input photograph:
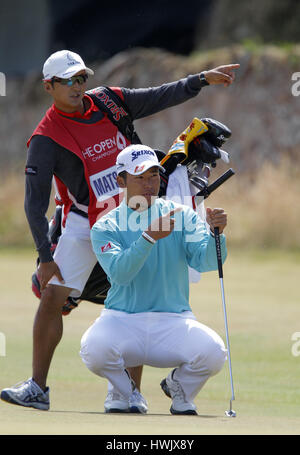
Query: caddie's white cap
(137, 159)
(64, 64)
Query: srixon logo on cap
(135, 155)
(71, 60)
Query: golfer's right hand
(162, 226)
(46, 271)
(216, 218)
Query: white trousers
(118, 340)
(74, 254)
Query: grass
(262, 299)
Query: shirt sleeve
(120, 264)
(200, 245)
(142, 102)
(38, 184)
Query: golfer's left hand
(216, 218)
(221, 74)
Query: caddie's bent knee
(52, 300)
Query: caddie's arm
(143, 102)
(38, 185)
(221, 75)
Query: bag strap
(109, 102)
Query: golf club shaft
(220, 269)
(227, 340)
(207, 190)
(213, 186)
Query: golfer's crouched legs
(216, 356)
(101, 354)
(97, 352)
(207, 358)
(212, 363)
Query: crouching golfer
(145, 247)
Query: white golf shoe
(137, 403)
(115, 403)
(173, 389)
(27, 394)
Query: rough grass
(14, 230)
(263, 210)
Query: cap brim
(74, 70)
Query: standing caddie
(145, 246)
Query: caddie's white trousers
(118, 340)
(74, 254)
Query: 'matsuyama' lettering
(106, 184)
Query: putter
(230, 412)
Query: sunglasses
(81, 79)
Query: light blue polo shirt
(146, 277)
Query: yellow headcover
(181, 143)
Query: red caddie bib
(97, 145)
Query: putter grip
(218, 251)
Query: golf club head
(230, 413)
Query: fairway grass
(262, 300)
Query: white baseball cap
(137, 159)
(64, 64)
